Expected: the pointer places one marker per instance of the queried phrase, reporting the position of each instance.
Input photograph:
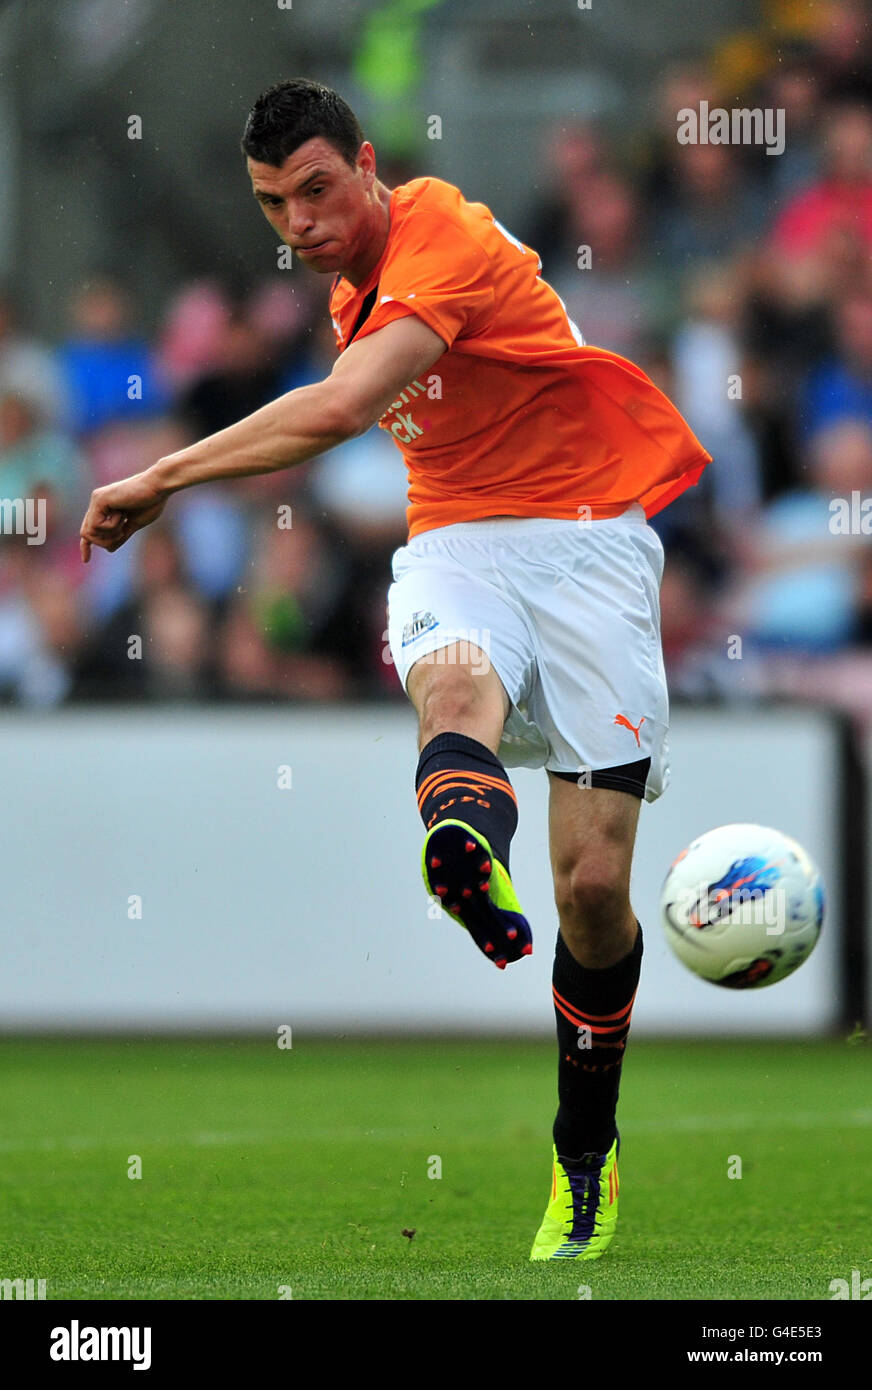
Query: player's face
(318, 204)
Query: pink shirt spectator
(809, 221)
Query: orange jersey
(519, 417)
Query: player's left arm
(366, 378)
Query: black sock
(593, 1009)
(459, 778)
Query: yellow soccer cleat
(580, 1219)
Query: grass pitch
(295, 1173)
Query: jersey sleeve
(440, 273)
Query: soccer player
(524, 612)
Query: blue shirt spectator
(110, 372)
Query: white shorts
(568, 615)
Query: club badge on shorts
(419, 623)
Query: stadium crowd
(740, 281)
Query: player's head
(313, 173)
(285, 116)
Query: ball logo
(745, 886)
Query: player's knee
(593, 892)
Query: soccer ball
(742, 906)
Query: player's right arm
(368, 376)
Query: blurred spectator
(795, 621)
(792, 86)
(212, 524)
(803, 588)
(787, 306)
(682, 85)
(119, 452)
(808, 345)
(842, 47)
(834, 215)
(110, 371)
(573, 156)
(29, 368)
(714, 208)
(699, 649)
(768, 407)
(808, 599)
(155, 645)
(362, 489)
(684, 610)
(196, 339)
(615, 296)
(189, 343)
(285, 315)
(707, 357)
(247, 373)
(245, 376)
(286, 635)
(34, 457)
(842, 386)
(739, 60)
(40, 628)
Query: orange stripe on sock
(484, 777)
(591, 1019)
(447, 786)
(567, 1012)
(434, 783)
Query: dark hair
(288, 114)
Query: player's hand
(119, 509)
